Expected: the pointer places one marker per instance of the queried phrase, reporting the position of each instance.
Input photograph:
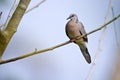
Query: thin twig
(57, 46)
(37, 5)
(115, 30)
(3, 26)
(92, 69)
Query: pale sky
(44, 27)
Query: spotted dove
(75, 28)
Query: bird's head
(72, 16)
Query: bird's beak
(68, 18)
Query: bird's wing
(82, 31)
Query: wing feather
(82, 32)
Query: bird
(75, 28)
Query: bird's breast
(72, 30)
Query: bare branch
(37, 5)
(14, 6)
(116, 38)
(102, 37)
(57, 46)
(12, 26)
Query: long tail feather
(85, 52)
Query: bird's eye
(71, 16)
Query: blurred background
(44, 27)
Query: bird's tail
(85, 52)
